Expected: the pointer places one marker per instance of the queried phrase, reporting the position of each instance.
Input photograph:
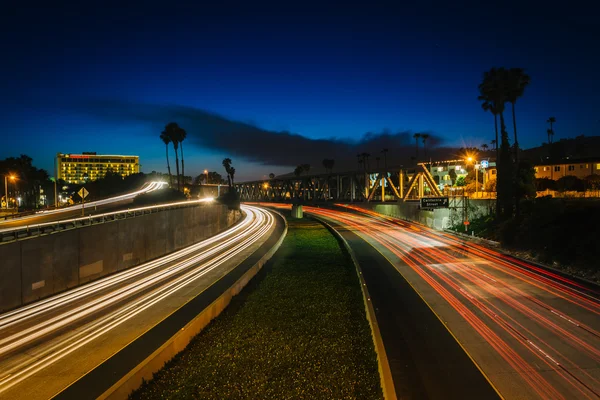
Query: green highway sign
(435, 202)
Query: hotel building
(80, 168)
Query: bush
(542, 184)
(569, 184)
(231, 199)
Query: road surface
(92, 207)
(48, 345)
(533, 334)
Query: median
(298, 330)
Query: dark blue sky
(322, 71)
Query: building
(440, 170)
(80, 168)
(580, 168)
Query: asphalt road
(90, 208)
(533, 334)
(48, 345)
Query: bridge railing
(9, 235)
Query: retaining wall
(38, 267)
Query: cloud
(254, 144)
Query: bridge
(391, 184)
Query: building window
(535, 169)
(545, 169)
(597, 166)
(571, 168)
(556, 168)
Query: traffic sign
(435, 202)
(467, 223)
(83, 193)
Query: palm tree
(173, 131)
(227, 165)
(298, 171)
(550, 133)
(517, 82)
(271, 175)
(306, 168)
(358, 160)
(487, 106)
(232, 173)
(166, 140)
(484, 147)
(425, 136)
(417, 136)
(385, 151)
(551, 121)
(181, 135)
(494, 143)
(493, 92)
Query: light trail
(541, 329)
(45, 330)
(146, 188)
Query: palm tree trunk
(496, 144)
(177, 166)
(515, 128)
(182, 167)
(169, 166)
(504, 180)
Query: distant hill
(581, 147)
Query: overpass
(74, 211)
(391, 184)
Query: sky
(75, 77)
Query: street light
(6, 177)
(206, 172)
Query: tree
(461, 181)
(490, 185)
(417, 136)
(164, 136)
(494, 143)
(232, 173)
(551, 121)
(306, 168)
(452, 174)
(271, 175)
(550, 134)
(385, 151)
(298, 171)
(328, 164)
(181, 135)
(524, 183)
(494, 92)
(172, 130)
(425, 136)
(592, 182)
(517, 82)
(487, 105)
(227, 166)
(484, 147)
(542, 184)
(570, 183)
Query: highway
(48, 345)
(91, 207)
(532, 333)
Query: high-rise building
(88, 166)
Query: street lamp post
(6, 177)
(206, 172)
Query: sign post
(83, 194)
(435, 202)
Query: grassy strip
(298, 331)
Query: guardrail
(17, 215)
(9, 235)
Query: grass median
(299, 330)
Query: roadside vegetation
(553, 231)
(299, 330)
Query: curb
(385, 373)
(178, 342)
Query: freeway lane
(74, 211)
(48, 345)
(533, 335)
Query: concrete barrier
(41, 266)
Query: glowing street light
(206, 172)
(6, 177)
